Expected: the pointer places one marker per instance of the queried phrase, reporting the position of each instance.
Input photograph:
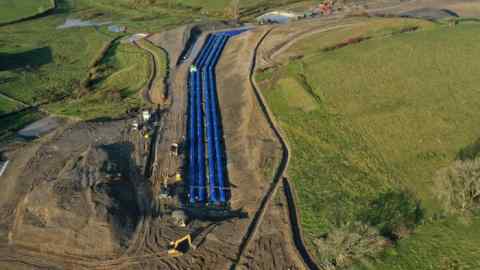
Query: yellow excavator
(180, 246)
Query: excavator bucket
(180, 246)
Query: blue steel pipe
(214, 129)
(217, 162)
(225, 39)
(209, 127)
(198, 120)
(191, 137)
(218, 148)
(216, 52)
(232, 32)
(202, 85)
(210, 140)
(212, 39)
(207, 79)
(209, 118)
(204, 50)
(193, 142)
(201, 142)
(197, 159)
(217, 127)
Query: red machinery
(326, 8)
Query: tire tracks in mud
(281, 171)
(280, 178)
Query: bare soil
(274, 248)
(66, 194)
(78, 199)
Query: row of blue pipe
(204, 123)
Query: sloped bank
(40, 14)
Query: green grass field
(7, 105)
(384, 114)
(43, 65)
(11, 124)
(119, 77)
(141, 15)
(12, 10)
(221, 5)
(46, 63)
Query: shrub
(471, 151)
(343, 246)
(347, 42)
(394, 213)
(458, 186)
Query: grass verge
(158, 87)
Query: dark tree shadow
(28, 59)
(6, 79)
(431, 14)
(101, 119)
(450, 12)
(469, 152)
(124, 212)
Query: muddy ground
(274, 247)
(66, 194)
(79, 199)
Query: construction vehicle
(146, 115)
(174, 149)
(193, 69)
(327, 7)
(180, 246)
(134, 125)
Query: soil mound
(93, 188)
(76, 195)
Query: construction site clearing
(100, 195)
(188, 185)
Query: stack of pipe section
(204, 125)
